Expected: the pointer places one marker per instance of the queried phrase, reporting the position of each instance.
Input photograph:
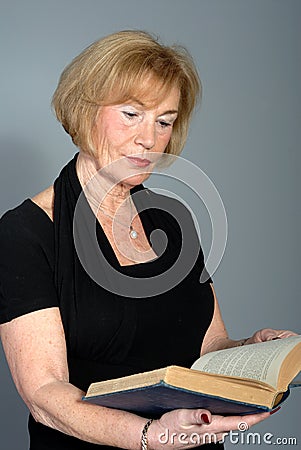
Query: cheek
(108, 136)
(118, 133)
(164, 139)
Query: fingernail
(275, 410)
(205, 418)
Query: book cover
(155, 400)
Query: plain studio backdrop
(245, 137)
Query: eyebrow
(170, 111)
(139, 102)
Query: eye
(164, 124)
(129, 114)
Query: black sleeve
(26, 272)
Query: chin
(135, 180)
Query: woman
(125, 101)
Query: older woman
(127, 100)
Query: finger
(252, 419)
(280, 334)
(265, 334)
(270, 334)
(241, 423)
(191, 417)
(286, 333)
(204, 417)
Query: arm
(36, 353)
(34, 341)
(216, 337)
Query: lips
(139, 162)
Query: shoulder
(30, 211)
(26, 242)
(26, 261)
(45, 200)
(26, 222)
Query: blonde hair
(113, 70)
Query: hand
(268, 334)
(189, 428)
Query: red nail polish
(205, 418)
(275, 410)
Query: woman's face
(135, 134)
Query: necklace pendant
(133, 234)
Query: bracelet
(144, 442)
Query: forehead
(149, 92)
(169, 99)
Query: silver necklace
(132, 232)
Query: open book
(240, 380)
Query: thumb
(204, 416)
(192, 417)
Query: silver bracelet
(144, 442)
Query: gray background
(246, 137)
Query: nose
(146, 135)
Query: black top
(112, 335)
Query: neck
(100, 189)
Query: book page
(257, 361)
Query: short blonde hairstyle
(113, 70)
